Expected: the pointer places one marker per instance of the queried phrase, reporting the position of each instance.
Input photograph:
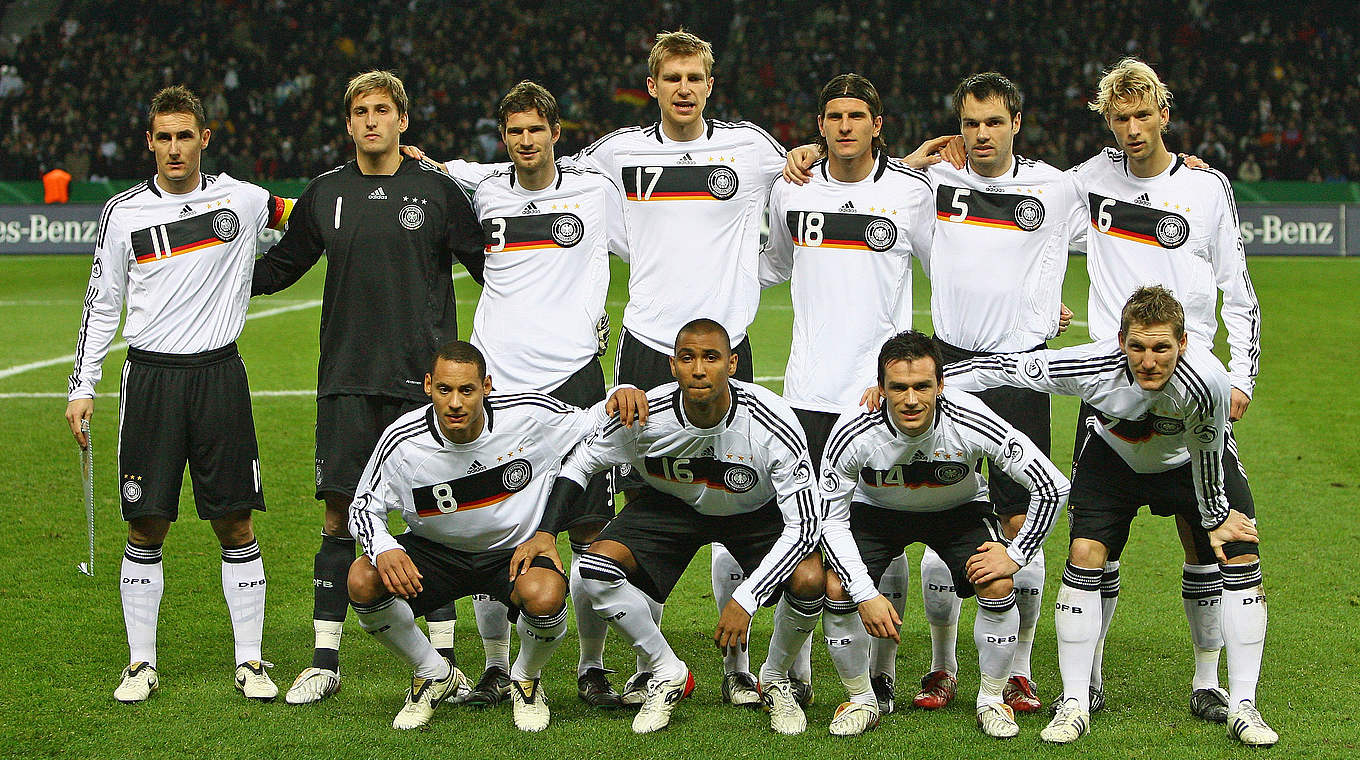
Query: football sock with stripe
(893, 585)
(848, 644)
(1244, 627)
(794, 622)
(1029, 600)
(942, 612)
(443, 623)
(727, 575)
(391, 622)
(1077, 622)
(243, 585)
(994, 633)
(539, 636)
(590, 629)
(617, 600)
(141, 588)
(330, 598)
(493, 625)
(1202, 595)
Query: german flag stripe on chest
(1005, 211)
(834, 229)
(701, 182)
(1138, 223)
(532, 232)
(187, 235)
(484, 488)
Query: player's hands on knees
(399, 574)
(629, 404)
(541, 544)
(798, 160)
(1238, 527)
(871, 398)
(990, 563)
(879, 618)
(1064, 318)
(77, 411)
(733, 624)
(1238, 401)
(933, 151)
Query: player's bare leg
(141, 586)
(243, 585)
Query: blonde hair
(377, 80)
(1129, 80)
(1152, 305)
(679, 44)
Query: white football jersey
(847, 247)
(1179, 230)
(693, 212)
(869, 460)
(479, 496)
(181, 262)
(755, 454)
(1000, 254)
(1152, 431)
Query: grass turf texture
(63, 634)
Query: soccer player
(469, 474)
(1158, 435)
(177, 249)
(390, 228)
(1154, 218)
(920, 454)
(721, 458)
(549, 228)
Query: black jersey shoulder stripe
(208, 179)
(778, 428)
(391, 441)
(753, 127)
(1196, 386)
(113, 202)
(846, 435)
(901, 168)
(971, 419)
(591, 148)
(809, 530)
(1087, 366)
(506, 405)
(1050, 498)
(1000, 362)
(501, 400)
(775, 423)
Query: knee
(540, 592)
(997, 589)
(365, 585)
(148, 531)
(235, 529)
(808, 579)
(585, 533)
(337, 516)
(1087, 553)
(835, 590)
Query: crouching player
(470, 474)
(907, 472)
(1158, 438)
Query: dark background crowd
(1263, 90)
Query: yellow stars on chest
(740, 458)
(1169, 204)
(941, 454)
(218, 204)
(564, 206)
(510, 454)
(722, 159)
(883, 210)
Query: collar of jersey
(443, 441)
(661, 137)
(898, 432)
(880, 166)
(678, 403)
(517, 187)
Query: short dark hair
(988, 85)
(850, 86)
(704, 326)
(910, 345)
(462, 352)
(1153, 305)
(176, 99)
(528, 96)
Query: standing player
(723, 459)
(390, 228)
(177, 249)
(921, 454)
(470, 474)
(1156, 219)
(1158, 435)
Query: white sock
(994, 633)
(141, 588)
(942, 612)
(1109, 600)
(1244, 628)
(443, 633)
(392, 623)
(848, 644)
(590, 629)
(538, 639)
(493, 625)
(1202, 597)
(243, 585)
(727, 575)
(893, 585)
(794, 621)
(626, 608)
(1029, 599)
(657, 609)
(1077, 625)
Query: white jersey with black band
(181, 262)
(1178, 229)
(756, 453)
(868, 459)
(479, 496)
(693, 212)
(1152, 431)
(847, 247)
(1000, 254)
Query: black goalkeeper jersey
(390, 241)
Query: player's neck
(467, 434)
(705, 416)
(1151, 165)
(179, 186)
(683, 132)
(381, 163)
(852, 169)
(997, 169)
(537, 179)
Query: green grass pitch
(63, 641)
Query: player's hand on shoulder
(628, 404)
(77, 411)
(880, 619)
(541, 544)
(399, 574)
(871, 398)
(1238, 527)
(1194, 162)
(797, 162)
(411, 151)
(990, 563)
(936, 149)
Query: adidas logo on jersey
(919, 456)
(707, 453)
(848, 208)
(475, 467)
(377, 195)
(185, 211)
(1143, 199)
(530, 208)
(685, 159)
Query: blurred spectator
(56, 186)
(1249, 170)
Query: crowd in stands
(1262, 89)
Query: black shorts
(187, 407)
(448, 574)
(664, 533)
(954, 534)
(1028, 411)
(585, 388)
(1107, 493)
(817, 426)
(347, 429)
